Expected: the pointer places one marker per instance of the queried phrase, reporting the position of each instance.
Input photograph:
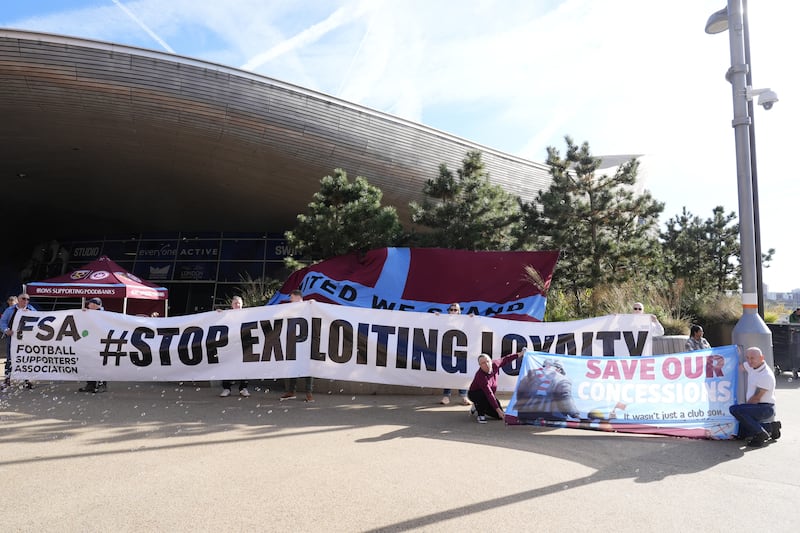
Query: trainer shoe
(481, 419)
(465, 401)
(309, 397)
(225, 393)
(759, 440)
(473, 411)
(445, 400)
(775, 431)
(288, 396)
(244, 392)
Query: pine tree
(607, 233)
(704, 254)
(343, 217)
(465, 211)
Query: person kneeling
(753, 415)
(483, 389)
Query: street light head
(718, 21)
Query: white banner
(302, 339)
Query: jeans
(7, 350)
(750, 416)
(461, 392)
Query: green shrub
(674, 326)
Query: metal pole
(753, 164)
(751, 329)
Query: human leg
(462, 393)
(750, 416)
(7, 343)
(482, 405)
(445, 396)
(310, 389)
(290, 389)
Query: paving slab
(176, 457)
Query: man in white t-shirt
(760, 405)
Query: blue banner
(685, 394)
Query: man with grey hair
(21, 305)
(755, 414)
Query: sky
(626, 76)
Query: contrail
(309, 35)
(142, 25)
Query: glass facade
(201, 270)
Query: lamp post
(751, 329)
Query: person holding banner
(11, 302)
(696, 340)
(454, 309)
(290, 384)
(94, 304)
(236, 303)
(483, 389)
(21, 304)
(760, 405)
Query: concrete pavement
(171, 457)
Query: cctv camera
(767, 99)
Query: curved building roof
(98, 137)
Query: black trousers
(482, 404)
(229, 384)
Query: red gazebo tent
(120, 290)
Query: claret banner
(485, 283)
(302, 339)
(685, 394)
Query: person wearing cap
(794, 318)
(21, 305)
(94, 304)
